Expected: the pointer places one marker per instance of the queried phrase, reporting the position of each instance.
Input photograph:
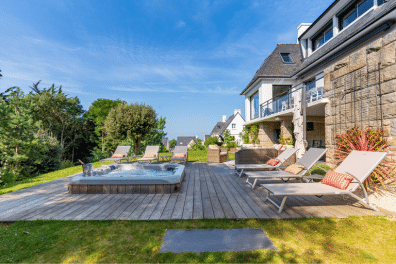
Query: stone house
(234, 124)
(344, 67)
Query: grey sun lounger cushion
(180, 150)
(150, 150)
(284, 156)
(359, 164)
(308, 160)
(119, 150)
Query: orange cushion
(338, 180)
(273, 162)
(118, 156)
(294, 168)
(179, 155)
(149, 156)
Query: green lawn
(312, 240)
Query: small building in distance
(186, 141)
(234, 124)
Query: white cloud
(181, 23)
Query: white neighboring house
(234, 124)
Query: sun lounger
(308, 160)
(180, 150)
(358, 164)
(120, 150)
(150, 154)
(283, 158)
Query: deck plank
(150, 207)
(225, 204)
(117, 212)
(240, 213)
(206, 201)
(140, 209)
(214, 199)
(170, 205)
(132, 207)
(198, 206)
(188, 208)
(156, 215)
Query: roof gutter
(262, 77)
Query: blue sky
(189, 60)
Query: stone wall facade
(361, 88)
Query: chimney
(224, 118)
(236, 111)
(302, 28)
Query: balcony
(286, 102)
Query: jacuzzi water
(149, 173)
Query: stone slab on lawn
(213, 240)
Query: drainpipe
(304, 114)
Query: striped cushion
(338, 180)
(272, 162)
(179, 155)
(118, 156)
(149, 156)
(294, 168)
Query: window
(233, 126)
(353, 11)
(218, 127)
(279, 90)
(287, 58)
(254, 106)
(310, 126)
(322, 36)
(310, 85)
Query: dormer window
(322, 36)
(287, 58)
(353, 11)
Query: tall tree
(56, 111)
(23, 146)
(98, 112)
(134, 121)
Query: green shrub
(197, 145)
(245, 135)
(211, 141)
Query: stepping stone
(212, 240)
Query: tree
(24, 147)
(156, 134)
(134, 121)
(211, 141)
(57, 112)
(98, 112)
(172, 143)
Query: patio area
(208, 191)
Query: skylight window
(287, 58)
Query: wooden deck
(208, 191)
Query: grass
(313, 240)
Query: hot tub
(126, 178)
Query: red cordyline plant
(367, 140)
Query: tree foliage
(98, 112)
(25, 149)
(172, 143)
(211, 141)
(133, 121)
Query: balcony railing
(277, 104)
(285, 102)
